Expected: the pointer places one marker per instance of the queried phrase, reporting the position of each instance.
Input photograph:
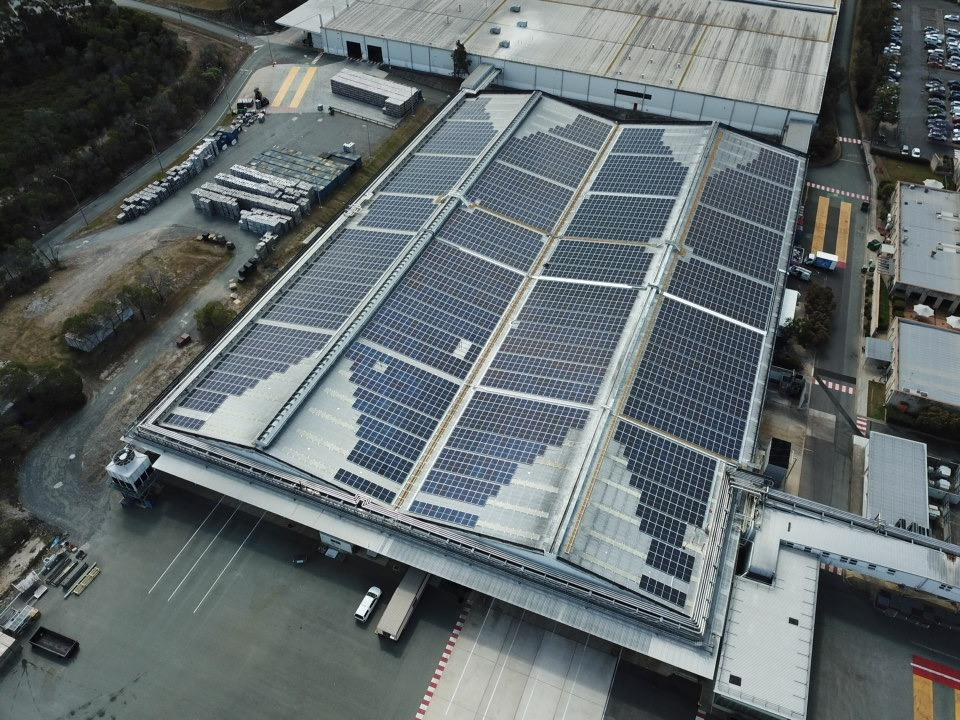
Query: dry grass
(30, 325)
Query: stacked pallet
(393, 98)
(241, 183)
(320, 176)
(213, 204)
(249, 201)
(263, 221)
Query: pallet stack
(393, 98)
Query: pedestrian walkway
(840, 387)
(504, 666)
(836, 191)
(850, 140)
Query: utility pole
(152, 143)
(79, 206)
(240, 16)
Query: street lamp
(152, 143)
(240, 16)
(79, 206)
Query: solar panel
(365, 486)
(520, 195)
(748, 197)
(440, 318)
(562, 341)
(734, 243)
(493, 237)
(460, 138)
(549, 156)
(618, 217)
(182, 421)
(696, 378)
(584, 130)
(723, 291)
(648, 141)
(640, 175)
(444, 514)
(328, 288)
(774, 166)
(670, 560)
(428, 175)
(472, 109)
(601, 262)
(663, 591)
(661, 526)
(398, 212)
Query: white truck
(402, 604)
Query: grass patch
(207, 5)
(883, 313)
(876, 400)
(893, 170)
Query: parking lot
(915, 72)
(201, 613)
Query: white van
(369, 602)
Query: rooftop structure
(538, 334)
(927, 234)
(895, 489)
(926, 364)
(758, 67)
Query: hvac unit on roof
(521, 23)
(495, 30)
(514, 8)
(504, 43)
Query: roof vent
(514, 8)
(495, 30)
(521, 23)
(504, 43)
(124, 456)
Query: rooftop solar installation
(538, 326)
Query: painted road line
(936, 672)
(442, 662)
(843, 233)
(232, 558)
(835, 191)
(851, 141)
(820, 228)
(463, 672)
(200, 557)
(285, 87)
(840, 387)
(863, 425)
(302, 90)
(190, 540)
(922, 698)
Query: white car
(369, 602)
(905, 150)
(915, 153)
(952, 18)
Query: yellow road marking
(302, 90)
(287, 82)
(820, 229)
(922, 698)
(843, 231)
(956, 701)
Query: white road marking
(463, 672)
(200, 557)
(232, 558)
(500, 674)
(153, 587)
(575, 679)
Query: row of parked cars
(943, 110)
(943, 50)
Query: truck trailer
(53, 642)
(402, 604)
(823, 260)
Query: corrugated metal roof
(768, 641)
(928, 219)
(770, 55)
(929, 361)
(879, 349)
(896, 483)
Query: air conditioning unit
(514, 8)
(521, 23)
(495, 30)
(504, 43)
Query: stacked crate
(393, 98)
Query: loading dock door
(354, 50)
(375, 53)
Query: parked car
(905, 150)
(953, 17)
(915, 153)
(369, 602)
(800, 273)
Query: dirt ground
(30, 324)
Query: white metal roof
(928, 362)
(768, 639)
(896, 481)
(770, 54)
(929, 248)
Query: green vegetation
(36, 393)
(876, 400)
(883, 313)
(76, 79)
(824, 138)
(867, 67)
(213, 318)
(14, 532)
(934, 420)
(813, 329)
(886, 105)
(256, 12)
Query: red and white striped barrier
(442, 663)
(835, 191)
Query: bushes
(14, 532)
(933, 419)
(874, 20)
(883, 314)
(824, 138)
(213, 318)
(40, 391)
(814, 328)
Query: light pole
(240, 16)
(367, 128)
(79, 206)
(269, 46)
(152, 143)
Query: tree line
(76, 81)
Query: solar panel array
(562, 341)
(584, 130)
(428, 174)
(600, 262)
(726, 292)
(492, 237)
(398, 212)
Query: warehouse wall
(587, 88)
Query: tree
(159, 280)
(461, 61)
(886, 105)
(82, 324)
(213, 318)
(140, 297)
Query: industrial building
(925, 367)
(925, 234)
(531, 359)
(758, 67)
(895, 482)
